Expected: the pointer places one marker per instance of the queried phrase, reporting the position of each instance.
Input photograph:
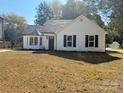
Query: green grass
(117, 48)
(60, 72)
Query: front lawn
(60, 72)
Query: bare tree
(57, 8)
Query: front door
(51, 42)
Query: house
(80, 34)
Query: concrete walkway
(5, 50)
(114, 50)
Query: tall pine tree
(44, 12)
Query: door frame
(51, 39)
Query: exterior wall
(45, 42)
(47, 38)
(26, 41)
(80, 29)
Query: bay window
(33, 41)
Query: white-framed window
(69, 41)
(33, 40)
(91, 41)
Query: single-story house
(80, 34)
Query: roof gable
(81, 18)
(32, 30)
(94, 23)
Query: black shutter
(74, 40)
(86, 40)
(96, 40)
(64, 41)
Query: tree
(74, 8)
(56, 7)
(116, 28)
(97, 19)
(17, 23)
(14, 25)
(69, 11)
(44, 12)
(112, 13)
(116, 18)
(109, 35)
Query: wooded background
(106, 13)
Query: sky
(25, 8)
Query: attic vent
(81, 19)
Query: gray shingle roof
(54, 25)
(50, 26)
(32, 30)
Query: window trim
(27, 40)
(36, 42)
(33, 41)
(69, 40)
(90, 41)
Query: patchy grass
(117, 48)
(60, 72)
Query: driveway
(5, 50)
(114, 50)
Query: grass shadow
(89, 57)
